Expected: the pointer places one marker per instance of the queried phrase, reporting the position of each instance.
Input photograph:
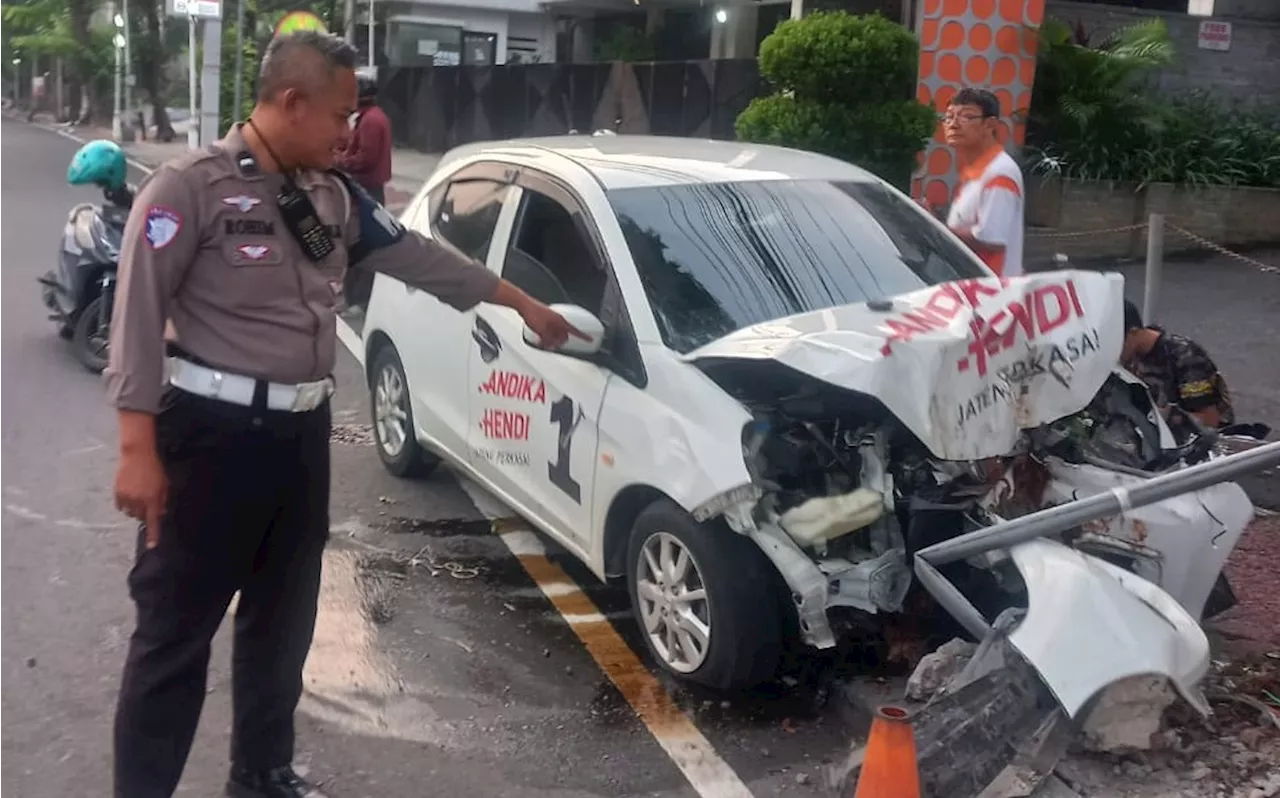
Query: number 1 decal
(562, 413)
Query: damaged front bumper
(1088, 623)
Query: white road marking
(351, 340)
(26, 512)
(671, 728)
(66, 134)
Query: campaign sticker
(162, 226)
(241, 202)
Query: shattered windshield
(718, 257)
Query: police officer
(222, 346)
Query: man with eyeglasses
(987, 213)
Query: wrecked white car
(793, 382)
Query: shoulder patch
(162, 226)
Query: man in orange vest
(987, 213)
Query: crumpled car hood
(964, 365)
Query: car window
(714, 258)
(550, 258)
(468, 214)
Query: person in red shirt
(367, 157)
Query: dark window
(714, 258)
(468, 214)
(550, 259)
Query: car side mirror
(581, 318)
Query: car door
(434, 341)
(534, 414)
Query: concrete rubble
(1139, 741)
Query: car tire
(393, 428)
(739, 615)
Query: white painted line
(590, 617)
(351, 340)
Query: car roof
(636, 161)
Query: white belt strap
(238, 389)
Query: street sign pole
(210, 81)
(193, 86)
(371, 30)
(204, 114)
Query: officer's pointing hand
(551, 327)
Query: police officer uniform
(224, 329)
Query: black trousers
(248, 510)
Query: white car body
(577, 448)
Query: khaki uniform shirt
(208, 265)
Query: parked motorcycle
(80, 291)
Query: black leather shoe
(275, 783)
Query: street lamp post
(128, 58)
(117, 115)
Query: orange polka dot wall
(986, 44)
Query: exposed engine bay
(858, 493)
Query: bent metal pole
(1059, 518)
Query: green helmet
(100, 162)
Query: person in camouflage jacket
(1179, 373)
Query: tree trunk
(81, 12)
(151, 61)
(75, 99)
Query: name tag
(249, 227)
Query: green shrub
(844, 87)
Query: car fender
(1090, 624)
(681, 435)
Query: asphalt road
(419, 682)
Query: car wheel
(704, 598)
(393, 429)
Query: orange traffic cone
(889, 768)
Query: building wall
(1245, 73)
(529, 35)
(1248, 9)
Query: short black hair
(1132, 317)
(301, 60)
(982, 98)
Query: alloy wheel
(673, 603)
(391, 411)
